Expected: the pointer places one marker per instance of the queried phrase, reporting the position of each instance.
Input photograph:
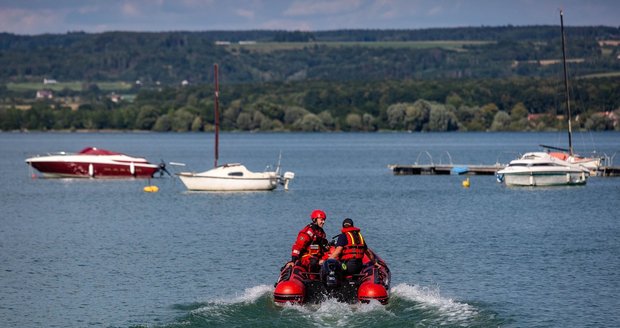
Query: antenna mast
(217, 113)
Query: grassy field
(76, 86)
(600, 75)
(275, 46)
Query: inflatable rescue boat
(297, 285)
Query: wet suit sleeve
(302, 241)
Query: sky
(32, 17)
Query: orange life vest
(356, 247)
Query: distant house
(609, 43)
(247, 42)
(185, 83)
(45, 94)
(49, 81)
(222, 43)
(536, 117)
(115, 98)
(610, 116)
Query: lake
(82, 252)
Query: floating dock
(447, 169)
(444, 169)
(608, 171)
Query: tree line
(446, 105)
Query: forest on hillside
(465, 79)
(170, 57)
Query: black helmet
(347, 222)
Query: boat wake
(435, 309)
(410, 305)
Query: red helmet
(318, 214)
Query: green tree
(163, 124)
(244, 121)
(230, 114)
(294, 114)
(197, 124)
(147, 116)
(368, 122)
(309, 123)
(442, 120)
(501, 121)
(10, 119)
(181, 120)
(353, 122)
(454, 99)
(518, 117)
(486, 115)
(328, 120)
(417, 116)
(396, 115)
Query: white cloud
(434, 11)
(130, 9)
(308, 8)
(60, 16)
(24, 21)
(289, 25)
(245, 13)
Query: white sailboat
(232, 176)
(591, 163)
(553, 168)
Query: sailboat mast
(217, 113)
(568, 113)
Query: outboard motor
(331, 274)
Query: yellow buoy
(466, 183)
(151, 189)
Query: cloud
(309, 8)
(29, 21)
(130, 9)
(60, 16)
(289, 25)
(434, 11)
(245, 13)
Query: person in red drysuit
(310, 246)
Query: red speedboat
(93, 162)
(297, 285)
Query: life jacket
(309, 241)
(356, 247)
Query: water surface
(76, 253)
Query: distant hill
(279, 56)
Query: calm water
(78, 253)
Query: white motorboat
(233, 176)
(542, 169)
